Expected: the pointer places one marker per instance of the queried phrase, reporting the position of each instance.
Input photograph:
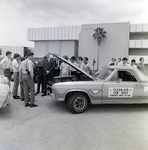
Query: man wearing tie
(48, 67)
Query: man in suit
(40, 74)
(48, 73)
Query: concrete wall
(116, 45)
(59, 47)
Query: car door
(122, 87)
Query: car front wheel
(77, 102)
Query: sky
(16, 16)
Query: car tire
(77, 102)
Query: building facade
(60, 40)
(15, 49)
(123, 40)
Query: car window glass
(124, 76)
(104, 73)
(115, 77)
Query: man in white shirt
(6, 64)
(64, 67)
(87, 66)
(124, 62)
(15, 66)
(73, 61)
(132, 64)
(81, 63)
(141, 65)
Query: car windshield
(103, 74)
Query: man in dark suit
(40, 75)
(48, 73)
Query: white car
(110, 85)
(5, 92)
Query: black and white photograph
(73, 75)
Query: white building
(123, 40)
(14, 49)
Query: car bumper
(53, 96)
(56, 97)
(7, 100)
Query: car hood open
(75, 67)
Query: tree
(99, 35)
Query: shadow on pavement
(5, 111)
(58, 106)
(120, 108)
(103, 108)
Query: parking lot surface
(51, 126)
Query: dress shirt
(27, 64)
(82, 66)
(65, 69)
(141, 67)
(132, 65)
(15, 65)
(88, 69)
(121, 64)
(73, 69)
(6, 63)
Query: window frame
(127, 70)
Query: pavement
(51, 126)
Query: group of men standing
(79, 62)
(48, 67)
(124, 62)
(23, 71)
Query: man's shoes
(26, 105)
(16, 97)
(33, 105)
(44, 94)
(36, 93)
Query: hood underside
(75, 67)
